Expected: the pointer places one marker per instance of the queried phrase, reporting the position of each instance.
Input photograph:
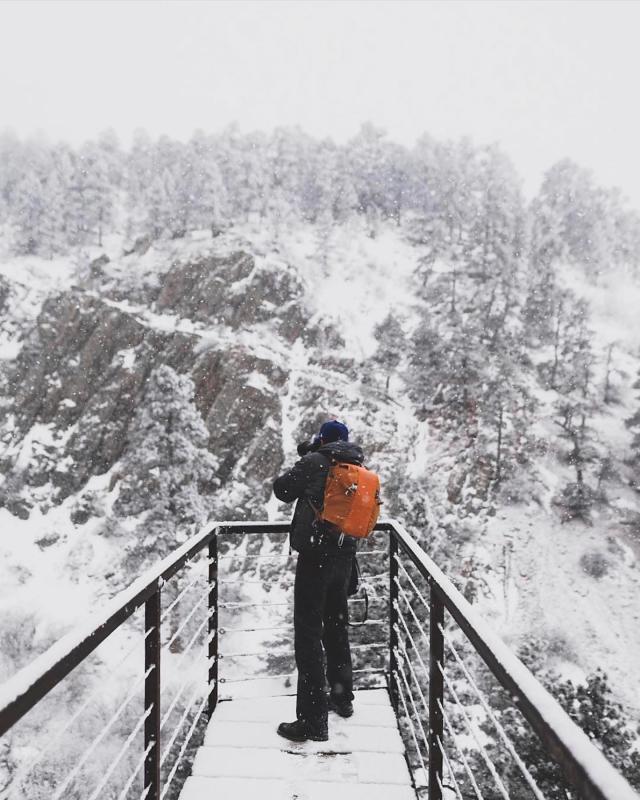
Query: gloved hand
(308, 447)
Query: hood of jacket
(348, 452)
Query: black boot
(344, 708)
(301, 731)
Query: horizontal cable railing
(464, 733)
(179, 600)
(202, 648)
(161, 642)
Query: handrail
(584, 766)
(28, 686)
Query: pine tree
(427, 364)
(62, 158)
(12, 167)
(634, 423)
(29, 209)
(100, 192)
(160, 205)
(52, 232)
(90, 196)
(167, 466)
(497, 231)
(391, 343)
(583, 214)
(345, 199)
(210, 201)
(250, 169)
(288, 159)
(428, 226)
(320, 189)
(503, 409)
(366, 156)
(544, 304)
(112, 156)
(627, 237)
(576, 406)
(140, 175)
(458, 195)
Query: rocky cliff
(83, 365)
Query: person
(323, 573)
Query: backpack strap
(319, 520)
(316, 511)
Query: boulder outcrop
(83, 368)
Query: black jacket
(305, 482)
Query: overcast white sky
(545, 79)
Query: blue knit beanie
(334, 431)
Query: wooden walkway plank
(344, 737)
(269, 789)
(268, 709)
(243, 756)
(234, 762)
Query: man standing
(325, 561)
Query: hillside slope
(276, 336)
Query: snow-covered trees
(90, 197)
(575, 220)
(167, 468)
(210, 201)
(497, 232)
(490, 267)
(158, 203)
(29, 211)
(460, 202)
(61, 199)
(590, 703)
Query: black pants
(321, 619)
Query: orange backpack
(351, 499)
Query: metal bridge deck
(243, 756)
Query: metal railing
(584, 769)
(31, 685)
(426, 619)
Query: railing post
(393, 620)
(436, 693)
(152, 647)
(212, 606)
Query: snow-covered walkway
(243, 756)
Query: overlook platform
(243, 756)
(437, 691)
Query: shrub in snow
(595, 563)
(90, 504)
(588, 703)
(592, 707)
(47, 540)
(18, 629)
(575, 502)
(632, 521)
